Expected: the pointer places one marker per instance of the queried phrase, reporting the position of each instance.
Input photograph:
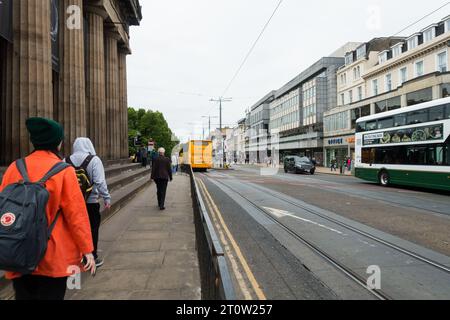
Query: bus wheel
(384, 178)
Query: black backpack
(24, 230)
(84, 181)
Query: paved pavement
(324, 170)
(149, 254)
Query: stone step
(125, 178)
(120, 169)
(112, 167)
(110, 163)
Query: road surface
(329, 237)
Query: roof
(318, 67)
(264, 100)
(133, 11)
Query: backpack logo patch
(8, 219)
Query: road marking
(250, 276)
(234, 265)
(281, 213)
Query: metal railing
(215, 278)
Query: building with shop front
(65, 60)
(410, 71)
(296, 112)
(258, 132)
(247, 137)
(220, 139)
(339, 123)
(237, 151)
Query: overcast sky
(186, 51)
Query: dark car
(299, 165)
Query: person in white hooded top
(83, 148)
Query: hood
(84, 145)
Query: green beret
(45, 134)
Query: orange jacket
(71, 237)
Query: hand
(90, 263)
(107, 206)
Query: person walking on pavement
(161, 174)
(144, 155)
(84, 157)
(70, 239)
(333, 164)
(138, 156)
(153, 156)
(174, 164)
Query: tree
(149, 125)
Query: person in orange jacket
(71, 238)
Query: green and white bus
(408, 146)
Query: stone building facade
(65, 60)
(339, 139)
(401, 73)
(296, 113)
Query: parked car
(299, 165)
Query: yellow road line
(248, 271)
(234, 264)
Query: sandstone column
(95, 81)
(28, 91)
(123, 103)
(6, 154)
(112, 94)
(71, 105)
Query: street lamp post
(209, 123)
(221, 100)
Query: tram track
(338, 265)
(378, 294)
(336, 189)
(361, 232)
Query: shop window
(445, 90)
(365, 111)
(388, 105)
(359, 113)
(420, 96)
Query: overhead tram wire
(423, 18)
(252, 48)
(273, 14)
(248, 55)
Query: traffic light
(137, 141)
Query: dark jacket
(144, 153)
(162, 168)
